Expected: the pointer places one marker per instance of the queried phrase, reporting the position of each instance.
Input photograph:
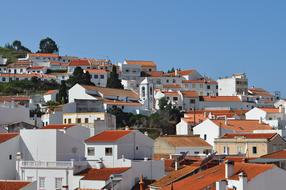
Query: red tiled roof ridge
(108, 136)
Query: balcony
(41, 164)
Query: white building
(204, 87)
(98, 77)
(209, 130)
(51, 95)
(3, 61)
(130, 71)
(235, 85)
(9, 146)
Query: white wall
(7, 166)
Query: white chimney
(242, 178)
(229, 168)
(260, 120)
(221, 185)
(176, 72)
(225, 121)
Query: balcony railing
(41, 164)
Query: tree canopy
(113, 81)
(48, 45)
(79, 77)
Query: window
(96, 76)
(201, 85)
(69, 121)
(143, 91)
(151, 90)
(196, 152)
(175, 98)
(65, 120)
(108, 151)
(90, 151)
(102, 76)
(78, 120)
(3, 79)
(174, 80)
(192, 101)
(136, 147)
(193, 85)
(58, 183)
(41, 182)
(205, 137)
(254, 150)
(86, 120)
(167, 81)
(10, 157)
(226, 150)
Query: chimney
(260, 120)
(229, 168)
(242, 180)
(225, 121)
(176, 72)
(221, 185)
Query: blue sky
(217, 38)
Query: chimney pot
(229, 168)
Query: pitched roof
(221, 99)
(108, 136)
(79, 62)
(174, 176)
(208, 177)
(190, 94)
(58, 126)
(267, 136)
(101, 174)
(156, 73)
(96, 71)
(13, 184)
(14, 98)
(184, 141)
(7, 136)
(259, 92)
(142, 63)
(281, 154)
(51, 92)
(44, 55)
(242, 125)
(112, 91)
(270, 110)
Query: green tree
(163, 102)
(113, 81)
(172, 70)
(63, 93)
(79, 77)
(48, 45)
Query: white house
(50, 95)
(209, 129)
(222, 102)
(98, 77)
(235, 85)
(3, 61)
(9, 146)
(275, 117)
(204, 87)
(129, 71)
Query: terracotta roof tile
(101, 174)
(184, 141)
(259, 92)
(276, 155)
(44, 55)
(79, 62)
(208, 177)
(97, 71)
(108, 136)
(270, 110)
(190, 94)
(221, 99)
(251, 135)
(142, 63)
(7, 136)
(13, 185)
(242, 125)
(51, 92)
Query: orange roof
(14, 98)
(79, 62)
(200, 81)
(276, 155)
(228, 113)
(259, 92)
(170, 93)
(171, 86)
(156, 73)
(101, 174)
(7, 136)
(96, 71)
(190, 94)
(58, 126)
(267, 136)
(13, 185)
(27, 75)
(108, 136)
(208, 177)
(44, 55)
(221, 99)
(112, 91)
(270, 110)
(51, 92)
(142, 63)
(242, 125)
(184, 141)
(174, 176)
(36, 67)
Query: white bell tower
(146, 92)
